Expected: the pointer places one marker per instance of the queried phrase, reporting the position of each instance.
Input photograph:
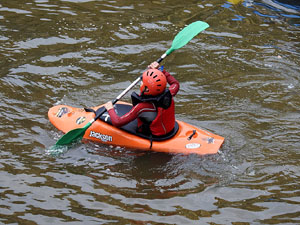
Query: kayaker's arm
(174, 84)
(119, 121)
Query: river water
(239, 79)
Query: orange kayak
(184, 139)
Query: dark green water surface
(239, 79)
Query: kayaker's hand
(153, 65)
(108, 105)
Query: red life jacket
(164, 121)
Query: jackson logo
(102, 137)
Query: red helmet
(155, 81)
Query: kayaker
(154, 107)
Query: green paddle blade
(72, 135)
(187, 34)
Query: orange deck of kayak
(66, 118)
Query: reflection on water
(270, 9)
(239, 79)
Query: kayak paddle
(181, 39)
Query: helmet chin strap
(145, 89)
